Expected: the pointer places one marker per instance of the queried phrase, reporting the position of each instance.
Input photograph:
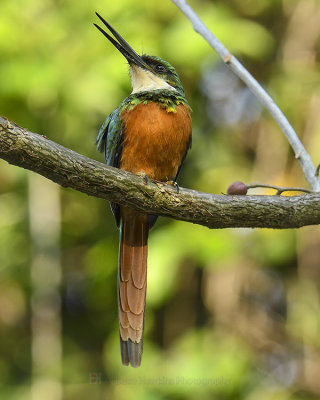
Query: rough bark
(70, 169)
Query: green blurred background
(231, 314)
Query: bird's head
(147, 73)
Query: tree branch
(70, 169)
(300, 152)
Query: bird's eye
(160, 68)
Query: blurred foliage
(231, 314)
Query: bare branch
(300, 152)
(69, 169)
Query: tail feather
(132, 281)
(124, 352)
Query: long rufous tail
(132, 284)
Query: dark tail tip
(131, 352)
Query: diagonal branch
(300, 152)
(70, 169)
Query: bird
(149, 134)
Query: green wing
(110, 139)
(109, 142)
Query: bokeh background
(231, 314)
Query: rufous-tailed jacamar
(150, 134)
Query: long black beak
(122, 45)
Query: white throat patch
(145, 81)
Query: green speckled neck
(167, 99)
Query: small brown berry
(237, 188)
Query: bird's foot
(174, 184)
(171, 183)
(144, 177)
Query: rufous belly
(155, 140)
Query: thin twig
(300, 152)
(279, 189)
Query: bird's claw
(158, 183)
(171, 183)
(144, 177)
(174, 184)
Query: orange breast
(155, 140)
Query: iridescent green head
(164, 70)
(148, 73)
